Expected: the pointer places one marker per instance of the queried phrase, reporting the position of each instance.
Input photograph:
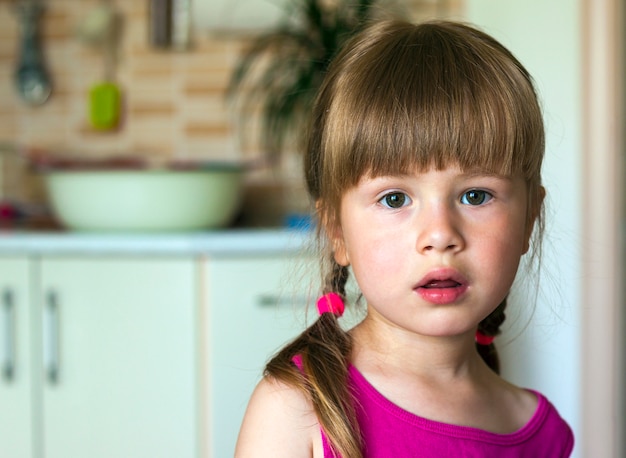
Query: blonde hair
(398, 98)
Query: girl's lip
(442, 286)
(443, 274)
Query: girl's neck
(435, 359)
(441, 379)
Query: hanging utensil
(101, 29)
(31, 78)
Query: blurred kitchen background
(172, 91)
(569, 345)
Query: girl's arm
(279, 422)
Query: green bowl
(144, 200)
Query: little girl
(424, 163)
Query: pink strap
(328, 450)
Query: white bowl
(144, 200)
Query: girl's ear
(535, 204)
(332, 228)
(339, 252)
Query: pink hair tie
(482, 339)
(330, 302)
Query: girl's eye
(475, 197)
(395, 200)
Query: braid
(324, 349)
(337, 279)
(490, 326)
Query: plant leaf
(281, 71)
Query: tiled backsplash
(173, 103)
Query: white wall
(545, 355)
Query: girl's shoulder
(518, 406)
(280, 422)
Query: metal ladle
(31, 77)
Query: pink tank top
(391, 432)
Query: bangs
(436, 95)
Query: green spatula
(104, 105)
(101, 29)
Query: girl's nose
(439, 230)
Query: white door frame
(603, 266)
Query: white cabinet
(105, 358)
(255, 305)
(17, 399)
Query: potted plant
(278, 76)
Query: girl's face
(435, 252)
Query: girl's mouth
(435, 284)
(442, 287)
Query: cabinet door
(17, 425)
(119, 363)
(255, 305)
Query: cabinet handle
(8, 320)
(51, 338)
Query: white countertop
(215, 243)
